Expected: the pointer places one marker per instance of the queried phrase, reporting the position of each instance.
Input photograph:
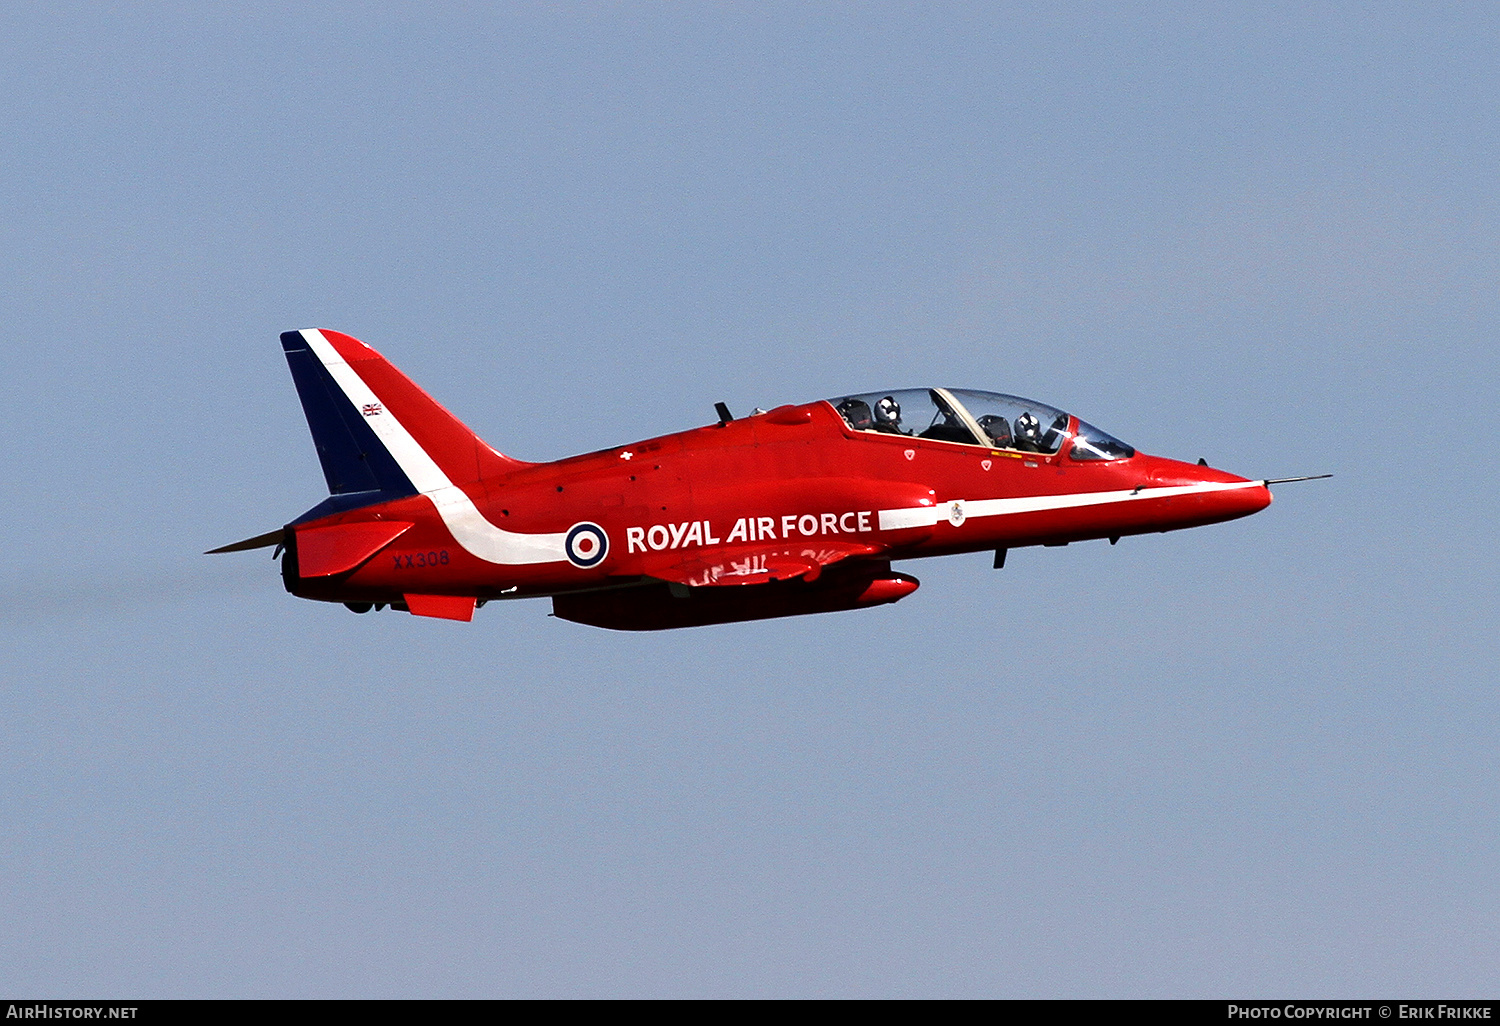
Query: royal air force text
(746, 529)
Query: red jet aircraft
(798, 510)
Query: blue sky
(1257, 758)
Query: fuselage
(796, 478)
(799, 510)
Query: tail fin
(378, 435)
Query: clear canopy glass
(1089, 443)
(914, 412)
(1010, 422)
(972, 417)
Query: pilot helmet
(888, 413)
(856, 412)
(1028, 427)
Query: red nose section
(1234, 503)
(1212, 496)
(1255, 499)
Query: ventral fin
(444, 607)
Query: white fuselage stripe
(928, 516)
(468, 526)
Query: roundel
(586, 545)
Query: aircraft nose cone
(1234, 502)
(1223, 496)
(1255, 499)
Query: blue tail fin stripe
(355, 462)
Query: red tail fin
(346, 387)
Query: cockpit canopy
(970, 417)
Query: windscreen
(1092, 444)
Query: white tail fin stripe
(468, 526)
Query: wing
(754, 564)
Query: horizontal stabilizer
(324, 551)
(260, 541)
(755, 564)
